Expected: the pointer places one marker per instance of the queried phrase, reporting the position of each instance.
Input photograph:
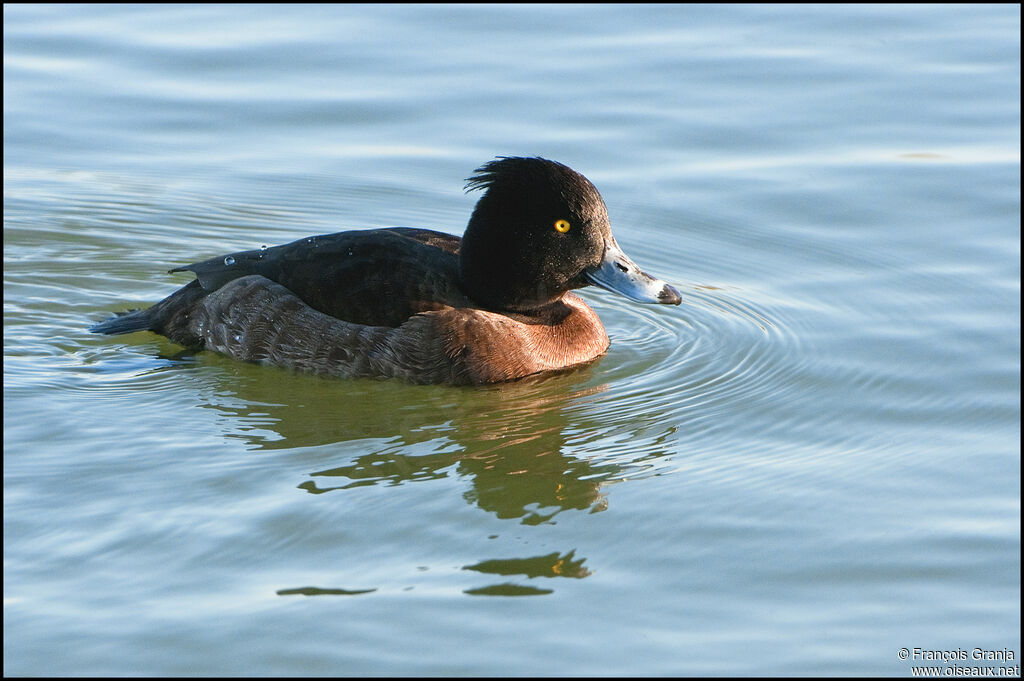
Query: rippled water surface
(809, 465)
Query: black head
(539, 230)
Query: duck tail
(170, 317)
(125, 322)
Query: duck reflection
(524, 477)
(520, 447)
(551, 565)
(509, 440)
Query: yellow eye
(562, 226)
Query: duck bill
(616, 272)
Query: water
(809, 465)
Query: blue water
(809, 465)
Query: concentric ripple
(671, 372)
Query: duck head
(541, 229)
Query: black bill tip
(669, 296)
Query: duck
(427, 307)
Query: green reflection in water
(507, 590)
(316, 591)
(550, 565)
(527, 449)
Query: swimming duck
(428, 307)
